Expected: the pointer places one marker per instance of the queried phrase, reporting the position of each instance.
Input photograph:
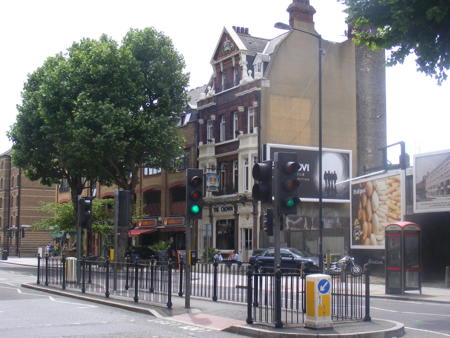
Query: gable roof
(253, 44)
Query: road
(28, 313)
(421, 319)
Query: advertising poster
(376, 202)
(432, 182)
(335, 174)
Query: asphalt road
(421, 319)
(28, 313)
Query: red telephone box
(403, 257)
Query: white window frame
(209, 131)
(223, 128)
(236, 174)
(246, 175)
(251, 120)
(235, 124)
(247, 239)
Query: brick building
(263, 96)
(20, 200)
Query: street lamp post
(284, 26)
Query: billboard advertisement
(336, 171)
(376, 203)
(432, 182)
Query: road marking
(81, 306)
(410, 312)
(428, 331)
(381, 309)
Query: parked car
(291, 259)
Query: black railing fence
(157, 282)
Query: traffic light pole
(187, 265)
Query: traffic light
(288, 185)
(194, 193)
(262, 189)
(268, 222)
(84, 211)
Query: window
(236, 76)
(223, 176)
(247, 175)
(235, 175)
(222, 128)
(178, 194)
(182, 162)
(225, 234)
(250, 120)
(235, 124)
(210, 131)
(247, 239)
(151, 171)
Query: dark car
(291, 260)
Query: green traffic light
(195, 209)
(290, 203)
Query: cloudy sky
(418, 109)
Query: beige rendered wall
(289, 106)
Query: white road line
(428, 331)
(381, 309)
(82, 306)
(411, 312)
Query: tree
(64, 219)
(405, 26)
(65, 96)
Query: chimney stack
(301, 10)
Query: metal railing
(350, 297)
(156, 282)
(151, 282)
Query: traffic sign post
(318, 301)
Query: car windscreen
(299, 252)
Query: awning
(137, 232)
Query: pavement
(230, 317)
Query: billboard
(376, 203)
(432, 182)
(336, 171)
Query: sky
(418, 110)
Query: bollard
(215, 265)
(367, 295)
(38, 269)
(249, 319)
(63, 261)
(107, 278)
(318, 301)
(169, 286)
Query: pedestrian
(236, 257)
(218, 257)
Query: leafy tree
(64, 220)
(62, 98)
(405, 26)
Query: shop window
(225, 234)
